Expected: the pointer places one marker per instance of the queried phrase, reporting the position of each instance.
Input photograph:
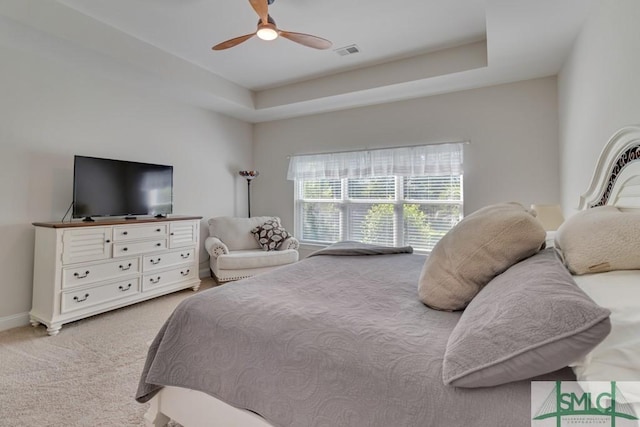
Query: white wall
(598, 92)
(49, 112)
(513, 153)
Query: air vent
(347, 50)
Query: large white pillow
(617, 357)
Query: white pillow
(617, 357)
(600, 239)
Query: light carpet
(85, 376)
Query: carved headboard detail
(616, 180)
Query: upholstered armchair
(235, 253)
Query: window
(391, 197)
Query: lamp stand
(249, 198)
(249, 175)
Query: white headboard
(616, 180)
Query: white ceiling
(409, 48)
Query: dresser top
(100, 222)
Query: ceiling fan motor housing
(269, 19)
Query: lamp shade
(550, 216)
(249, 175)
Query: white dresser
(81, 269)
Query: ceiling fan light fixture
(267, 32)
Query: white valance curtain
(419, 160)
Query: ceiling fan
(267, 30)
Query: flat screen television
(107, 187)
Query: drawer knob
(171, 234)
(123, 289)
(76, 299)
(185, 256)
(123, 268)
(155, 261)
(158, 230)
(158, 244)
(156, 280)
(125, 249)
(79, 276)
(125, 232)
(107, 241)
(185, 273)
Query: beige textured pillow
(600, 239)
(478, 248)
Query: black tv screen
(106, 187)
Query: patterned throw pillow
(270, 235)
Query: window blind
(383, 197)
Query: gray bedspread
(328, 341)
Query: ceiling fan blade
(306, 39)
(262, 9)
(233, 42)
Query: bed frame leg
(153, 417)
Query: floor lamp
(249, 175)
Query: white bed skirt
(193, 408)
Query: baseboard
(22, 319)
(204, 272)
(14, 321)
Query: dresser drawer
(155, 280)
(133, 232)
(91, 273)
(156, 262)
(134, 248)
(90, 296)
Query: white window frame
(345, 204)
(438, 160)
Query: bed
(341, 339)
